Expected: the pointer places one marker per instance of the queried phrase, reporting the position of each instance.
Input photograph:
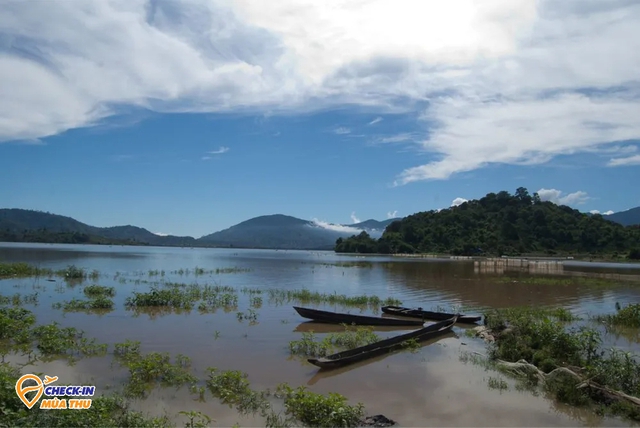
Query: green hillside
(500, 224)
(18, 225)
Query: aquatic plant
(628, 316)
(232, 387)
(317, 410)
(99, 290)
(153, 368)
(73, 305)
(349, 339)
(21, 270)
(72, 273)
(497, 383)
(105, 410)
(568, 362)
(196, 419)
(306, 296)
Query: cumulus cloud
(392, 214)
(495, 81)
(354, 218)
(556, 196)
(458, 201)
(374, 121)
(342, 130)
(161, 234)
(631, 160)
(220, 151)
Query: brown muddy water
(431, 387)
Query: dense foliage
(500, 224)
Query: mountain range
(275, 231)
(270, 231)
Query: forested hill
(500, 224)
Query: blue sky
(165, 116)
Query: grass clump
(351, 338)
(75, 305)
(13, 270)
(306, 296)
(569, 362)
(99, 290)
(72, 273)
(232, 387)
(145, 371)
(53, 340)
(317, 410)
(628, 316)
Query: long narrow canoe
(384, 346)
(427, 315)
(338, 318)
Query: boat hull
(351, 356)
(399, 311)
(338, 318)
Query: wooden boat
(338, 318)
(323, 327)
(337, 371)
(384, 346)
(427, 315)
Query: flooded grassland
(209, 337)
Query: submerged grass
(306, 296)
(76, 305)
(19, 334)
(146, 371)
(559, 280)
(310, 346)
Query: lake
(431, 387)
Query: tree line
(501, 224)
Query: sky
(188, 116)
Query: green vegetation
(145, 371)
(104, 411)
(99, 290)
(18, 333)
(21, 270)
(559, 280)
(351, 338)
(539, 347)
(232, 388)
(628, 316)
(499, 224)
(74, 305)
(497, 383)
(306, 296)
(317, 410)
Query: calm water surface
(429, 388)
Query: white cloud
(594, 212)
(607, 212)
(206, 157)
(161, 233)
(392, 214)
(495, 81)
(398, 138)
(555, 196)
(336, 227)
(220, 151)
(342, 130)
(604, 213)
(631, 160)
(354, 218)
(458, 201)
(376, 120)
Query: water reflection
(429, 388)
